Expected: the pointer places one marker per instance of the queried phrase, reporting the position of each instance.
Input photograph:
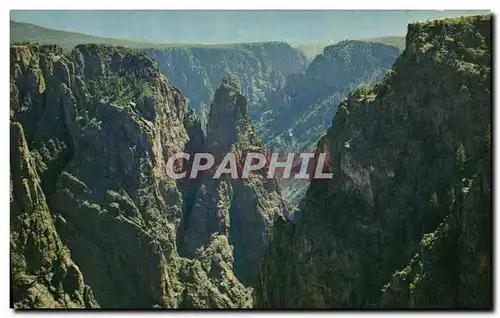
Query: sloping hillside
(26, 32)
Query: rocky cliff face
(261, 67)
(96, 124)
(91, 203)
(243, 211)
(42, 271)
(298, 113)
(405, 222)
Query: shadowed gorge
(301, 111)
(242, 210)
(261, 67)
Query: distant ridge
(310, 50)
(27, 32)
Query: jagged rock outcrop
(405, 221)
(100, 123)
(209, 279)
(261, 67)
(243, 210)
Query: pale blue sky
(233, 26)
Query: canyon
(97, 221)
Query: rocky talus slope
(94, 216)
(406, 220)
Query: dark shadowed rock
(404, 223)
(243, 211)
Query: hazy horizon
(218, 27)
